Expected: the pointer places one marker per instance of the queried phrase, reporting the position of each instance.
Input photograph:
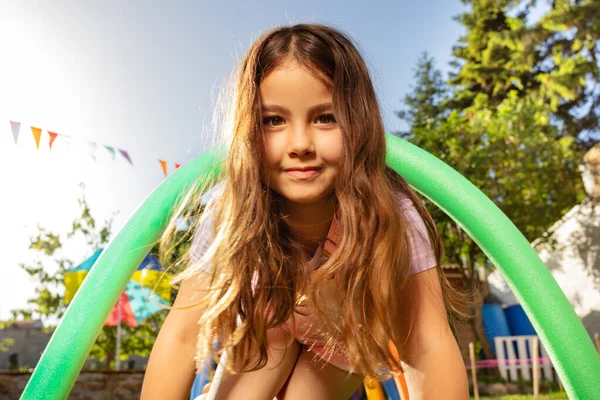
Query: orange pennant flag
(52, 138)
(37, 133)
(177, 166)
(164, 166)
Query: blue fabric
(391, 389)
(87, 264)
(150, 263)
(202, 378)
(143, 301)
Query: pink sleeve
(423, 255)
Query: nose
(301, 141)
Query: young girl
(315, 263)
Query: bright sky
(142, 76)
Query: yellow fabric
(157, 281)
(373, 389)
(72, 282)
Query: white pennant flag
(16, 127)
(93, 149)
(67, 142)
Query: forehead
(293, 83)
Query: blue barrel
(518, 323)
(494, 323)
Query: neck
(310, 223)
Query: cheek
(331, 147)
(272, 150)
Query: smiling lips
(302, 172)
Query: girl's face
(303, 141)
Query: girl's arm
(171, 368)
(433, 365)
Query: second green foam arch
(562, 334)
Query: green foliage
(514, 118)
(557, 57)
(5, 344)
(48, 272)
(48, 304)
(554, 395)
(500, 119)
(134, 341)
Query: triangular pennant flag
(93, 149)
(66, 140)
(16, 127)
(124, 154)
(177, 166)
(112, 151)
(37, 133)
(127, 315)
(52, 138)
(163, 163)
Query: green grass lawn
(545, 396)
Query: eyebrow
(313, 110)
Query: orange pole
(399, 375)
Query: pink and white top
(304, 327)
(423, 256)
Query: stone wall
(29, 343)
(126, 385)
(121, 385)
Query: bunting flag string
(92, 147)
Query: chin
(304, 196)
(303, 199)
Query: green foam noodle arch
(567, 343)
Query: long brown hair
(258, 270)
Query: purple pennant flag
(124, 154)
(16, 127)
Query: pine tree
(425, 106)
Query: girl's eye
(273, 121)
(326, 119)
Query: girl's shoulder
(423, 255)
(203, 234)
(408, 209)
(203, 237)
